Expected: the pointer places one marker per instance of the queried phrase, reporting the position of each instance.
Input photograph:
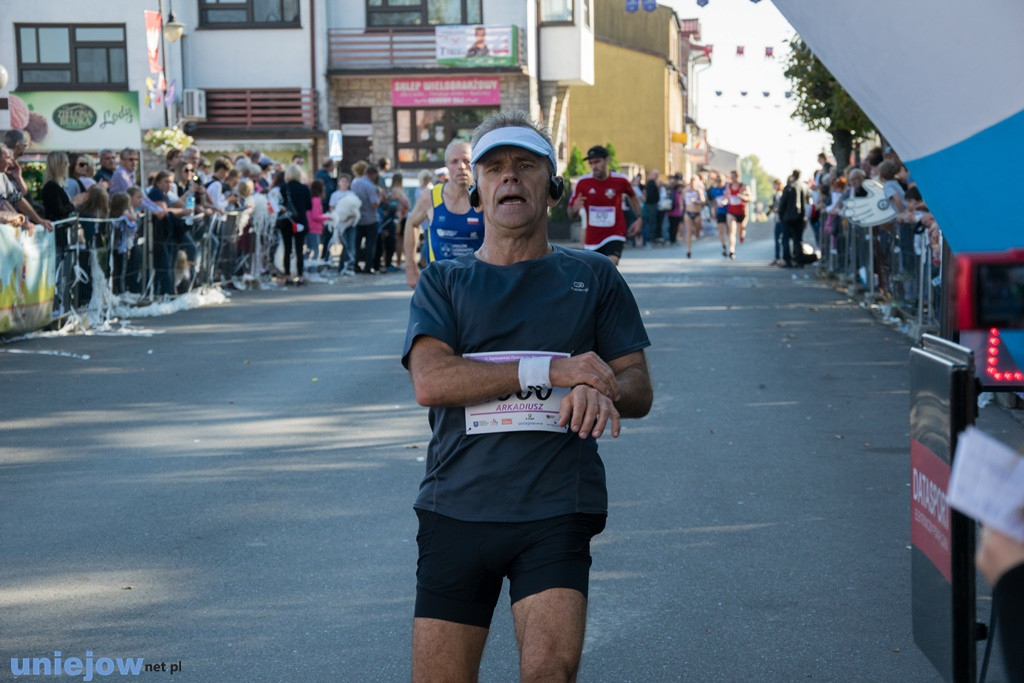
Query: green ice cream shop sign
(74, 116)
(80, 120)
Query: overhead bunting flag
(766, 93)
(650, 5)
(155, 91)
(743, 93)
(153, 25)
(789, 93)
(702, 3)
(739, 50)
(708, 49)
(158, 92)
(718, 92)
(632, 5)
(769, 52)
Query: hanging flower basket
(162, 140)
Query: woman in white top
(693, 200)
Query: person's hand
(578, 203)
(412, 274)
(587, 412)
(47, 225)
(104, 184)
(997, 554)
(588, 369)
(635, 228)
(874, 209)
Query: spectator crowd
(195, 207)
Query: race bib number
(721, 201)
(533, 411)
(601, 216)
(735, 199)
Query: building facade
(638, 100)
(215, 77)
(408, 77)
(398, 78)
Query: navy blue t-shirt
(567, 302)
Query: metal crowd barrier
(889, 265)
(168, 258)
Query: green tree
(613, 156)
(753, 174)
(575, 167)
(823, 104)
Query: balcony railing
(387, 49)
(247, 108)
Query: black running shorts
(462, 564)
(612, 248)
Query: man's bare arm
(634, 380)
(413, 222)
(26, 208)
(588, 412)
(634, 203)
(634, 228)
(442, 378)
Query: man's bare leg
(733, 226)
(550, 627)
(445, 651)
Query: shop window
(556, 10)
(394, 13)
(248, 13)
(421, 135)
(87, 57)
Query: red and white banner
(154, 24)
(929, 511)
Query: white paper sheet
(987, 482)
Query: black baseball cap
(597, 152)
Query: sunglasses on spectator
(82, 163)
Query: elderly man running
(526, 354)
(454, 228)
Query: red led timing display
(992, 361)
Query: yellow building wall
(627, 106)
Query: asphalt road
(230, 488)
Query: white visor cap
(514, 136)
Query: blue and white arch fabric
(944, 82)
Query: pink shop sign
(445, 92)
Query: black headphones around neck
(555, 188)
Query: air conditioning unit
(194, 105)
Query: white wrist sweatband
(534, 373)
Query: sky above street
(755, 123)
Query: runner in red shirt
(601, 192)
(736, 216)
